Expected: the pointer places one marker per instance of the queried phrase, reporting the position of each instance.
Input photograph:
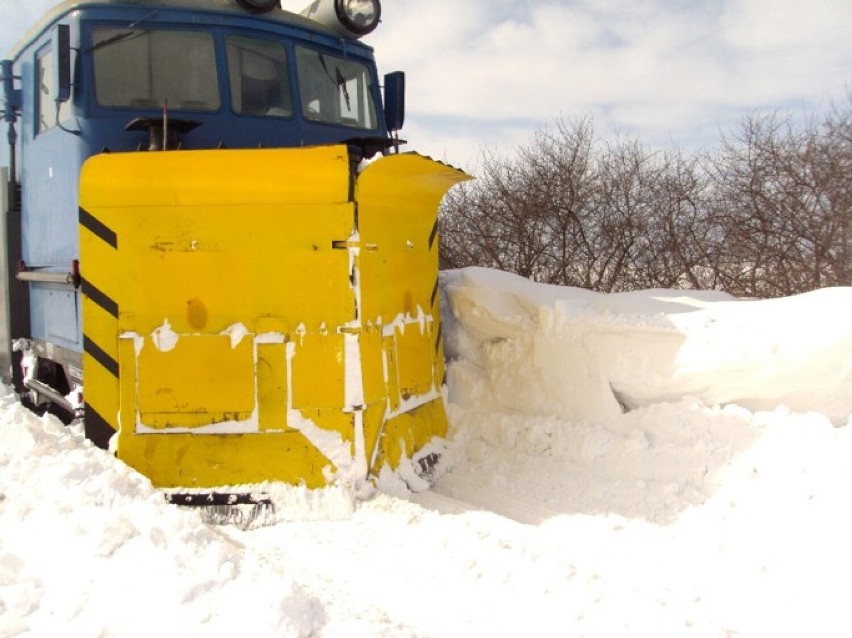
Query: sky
(483, 76)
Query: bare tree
(521, 213)
(767, 214)
(783, 196)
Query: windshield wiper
(128, 32)
(341, 82)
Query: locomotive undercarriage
(51, 378)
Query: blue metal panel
(49, 169)
(55, 315)
(51, 166)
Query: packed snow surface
(657, 463)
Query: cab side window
(48, 114)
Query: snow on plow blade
(261, 315)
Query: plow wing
(261, 315)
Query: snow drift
(585, 356)
(657, 463)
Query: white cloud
(667, 70)
(784, 24)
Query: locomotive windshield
(258, 75)
(335, 90)
(144, 69)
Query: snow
(657, 463)
(165, 339)
(89, 548)
(586, 355)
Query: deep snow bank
(679, 517)
(548, 350)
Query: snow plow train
(194, 234)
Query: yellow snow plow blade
(262, 315)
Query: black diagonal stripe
(94, 351)
(434, 293)
(96, 226)
(433, 234)
(100, 297)
(438, 338)
(98, 429)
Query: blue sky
(486, 74)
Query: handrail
(66, 278)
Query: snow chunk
(236, 332)
(165, 339)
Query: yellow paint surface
(254, 296)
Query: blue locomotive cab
(113, 76)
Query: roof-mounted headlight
(259, 6)
(360, 16)
(350, 18)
